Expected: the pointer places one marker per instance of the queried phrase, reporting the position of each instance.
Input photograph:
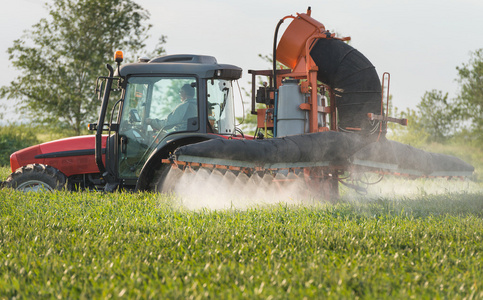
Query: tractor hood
(74, 155)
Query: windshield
(152, 108)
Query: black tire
(165, 179)
(36, 178)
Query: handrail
(100, 125)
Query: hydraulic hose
(274, 76)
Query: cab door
(154, 107)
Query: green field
(95, 245)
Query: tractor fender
(164, 150)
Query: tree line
(439, 118)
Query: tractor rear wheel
(165, 179)
(36, 178)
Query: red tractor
(323, 121)
(133, 148)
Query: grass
(94, 245)
(4, 172)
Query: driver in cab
(178, 118)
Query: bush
(13, 138)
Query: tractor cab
(163, 100)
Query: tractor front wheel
(36, 178)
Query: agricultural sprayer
(322, 120)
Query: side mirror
(100, 86)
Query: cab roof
(202, 66)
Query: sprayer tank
(290, 118)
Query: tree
(61, 57)
(436, 116)
(440, 118)
(435, 119)
(470, 98)
(412, 134)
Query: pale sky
(419, 42)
